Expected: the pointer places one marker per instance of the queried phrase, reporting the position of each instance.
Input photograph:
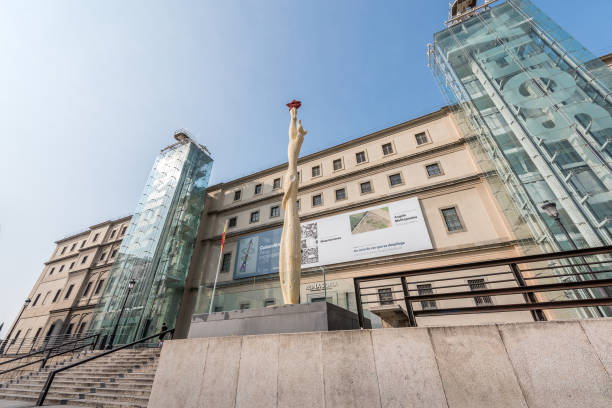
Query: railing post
(45, 358)
(538, 314)
(411, 319)
(358, 302)
(95, 342)
(45, 390)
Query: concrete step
(80, 389)
(115, 397)
(102, 404)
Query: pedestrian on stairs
(161, 336)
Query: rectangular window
(269, 302)
(83, 244)
(102, 256)
(245, 305)
(360, 157)
(317, 200)
(274, 211)
(232, 222)
(297, 204)
(87, 288)
(36, 300)
(425, 289)
(225, 264)
(316, 171)
(257, 189)
(433, 170)
(395, 179)
(113, 233)
(255, 216)
(421, 138)
(72, 247)
(114, 253)
(477, 284)
(337, 164)
(387, 148)
(67, 295)
(70, 327)
(237, 195)
(340, 194)
(71, 265)
(385, 296)
(61, 268)
(51, 271)
(365, 187)
(276, 184)
(63, 250)
(123, 230)
(96, 237)
(56, 295)
(99, 286)
(451, 218)
(84, 259)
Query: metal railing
(43, 393)
(51, 352)
(26, 345)
(571, 279)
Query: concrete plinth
(307, 317)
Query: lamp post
(5, 342)
(131, 284)
(550, 208)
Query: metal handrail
(533, 303)
(49, 355)
(43, 393)
(493, 262)
(15, 345)
(50, 348)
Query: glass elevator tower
(536, 108)
(156, 251)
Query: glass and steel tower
(536, 108)
(540, 105)
(159, 242)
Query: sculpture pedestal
(307, 317)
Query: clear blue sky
(91, 91)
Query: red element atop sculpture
(294, 104)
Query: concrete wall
(553, 364)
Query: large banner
(387, 229)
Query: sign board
(387, 229)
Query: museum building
(408, 197)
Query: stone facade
(71, 282)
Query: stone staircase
(121, 379)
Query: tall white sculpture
(290, 257)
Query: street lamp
(550, 208)
(131, 284)
(25, 304)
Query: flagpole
(212, 298)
